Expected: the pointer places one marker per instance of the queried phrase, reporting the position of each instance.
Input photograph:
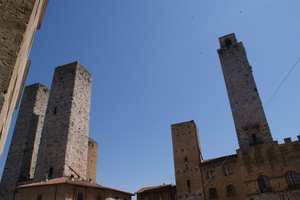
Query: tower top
(227, 40)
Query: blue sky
(154, 63)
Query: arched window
(264, 184)
(230, 190)
(292, 179)
(79, 196)
(213, 193)
(99, 197)
(228, 42)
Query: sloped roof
(67, 180)
(148, 189)
(219, 159)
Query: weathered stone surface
(247, 111)
(21, 160)
(64, 143)
(18, 22)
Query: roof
(67, 180)
(148, 189)
(219, 159)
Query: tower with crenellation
(260, 169)
(248, 114)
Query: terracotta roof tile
(144, 189)
(219, 159)
(67, 180)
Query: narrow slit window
(186, 161)
(254, 139)
(188, 182)
(50, 174)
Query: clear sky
(154, 63)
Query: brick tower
(246, 107)
(187, 157)
(21, 159)
(64, 143)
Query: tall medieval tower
(187, 157)
(64, 142)
(246, 107)
(21, 159)
(19, 21)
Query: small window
(79, 196)
(264, 184)
(213, 193)
(292, 179)
(39, 197)
(228, 42)
(226, 171)
(50, 174)
(186, 161)
(99, 197)
(230, 190)
(55, 110)
(254, 139)
(188, 182)
(210, 174)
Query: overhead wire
(206, 182)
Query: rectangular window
(210, 174)
(186, 161)
(50, 174)
(226, 171)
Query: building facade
(18, 21)
(67, 188)
(260, 169)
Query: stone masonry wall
(21, 159)
(64, 144)
(18, 21)
(247, 111)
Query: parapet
(272, 155)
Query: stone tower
(21, 159)
(187, 157)
(18, 21)
(64, 143)
(246, 107)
